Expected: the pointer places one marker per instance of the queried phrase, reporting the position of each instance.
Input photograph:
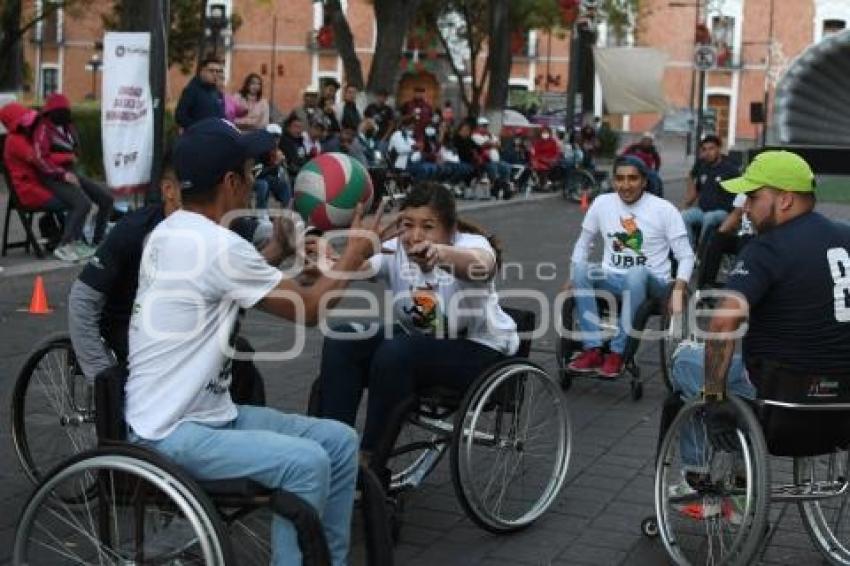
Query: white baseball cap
(274, 129)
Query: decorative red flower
(325, 37)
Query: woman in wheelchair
(448, 326)
(639, 232)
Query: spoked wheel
(675, 332)
(52, 408)
(511, 446)
(711, 504)
(826, 520)
(141, 513)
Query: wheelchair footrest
(809, 491)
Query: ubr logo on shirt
(631, 239)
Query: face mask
(544, 136)
(408, 132)
(430, 132)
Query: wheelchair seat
(801, 413)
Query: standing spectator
(257, 108)
(329, 92)
(292, 145)
(706, 205)
(201, 98)
(309, 109)
(348, 112)
(383, 116)
(420, 109)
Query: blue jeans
(316, 459)
(701, 224)
(423, 170)
(497, 171)
(274, 185)
(393, 369)
(634, 287)
(688, 381)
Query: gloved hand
(722, 421)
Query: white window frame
(60, 20)
(733, 9)
(49, 66)
(829, 10)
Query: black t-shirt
(294, 151)
(114, 271)
(707, 177)
(796, 279)
(350, 116)
(382, 115)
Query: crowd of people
(416, 140)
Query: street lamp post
(216, 22)
(767, 77)
(95, 63)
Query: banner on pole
(127, 112)
(632, 78)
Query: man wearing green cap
(791, 284)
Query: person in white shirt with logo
(639, 231)
(195, 275)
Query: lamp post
(216, 21)
(767, 76)
(94, 64)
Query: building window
(49, 81)
(831, 27)
(49, 29)
(723, 37)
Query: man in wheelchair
(195, 276)
(791, 284)
(639, 231)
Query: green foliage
(621, 16)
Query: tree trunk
(500, 57)
(393, 19)
(11, 52)
(344, 40)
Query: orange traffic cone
(585, 201)
(38, 303)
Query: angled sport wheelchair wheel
(827, 519)
(578, 182)
(511, 446)
(711, 505)
(52, 408)
(142, 512)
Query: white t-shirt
(402, 144)
(195, 276)
(439, 304)
(638, 234)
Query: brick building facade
(59, 50)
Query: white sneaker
(66, 253)
(83, 250)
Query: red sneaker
(612, 365)
(586, 362)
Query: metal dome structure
(813, 97)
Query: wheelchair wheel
(52, 408)
(674, 328)
(511, 446)
(712, 505)
(143, 512)
(827, 520)
(578, 182)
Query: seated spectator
(424, 163)
(292, 145)
(348, 112)
(270, 176)
(250, 97)
(308, 112)
(469, 159)
(403, 144)
(19, 160)
(488, 148)
(314, 139)
(56, 146)
(383, 116)
(420, 109)
(545, 154)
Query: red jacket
(19, 157)
(545, 153)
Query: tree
(344, 40)
(14, 26)
(393, 19)
(480, 24)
